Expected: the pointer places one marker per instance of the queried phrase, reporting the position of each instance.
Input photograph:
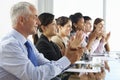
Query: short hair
(75, 17)
(21, 8)
(86, 18)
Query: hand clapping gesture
(73, 51)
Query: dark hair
(35, 38)
(62, 20)
(86, 18)
(97, 20)
(75, 18)
(45, 19)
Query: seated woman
(44, 43)
(100, 44)
(64, 25)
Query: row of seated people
(56, 34)
(19, 58)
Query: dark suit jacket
(49, 49)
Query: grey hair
(21, 8)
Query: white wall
(92, 8)
(113, 23)
(45, 6)
(5, 22)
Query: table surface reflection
(113, 61)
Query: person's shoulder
(56, 39)
(42, 42)
(9, 44)
(8, 40)
(43, 38)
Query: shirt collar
(18, 36)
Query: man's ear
(21, 20)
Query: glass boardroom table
(96, 63)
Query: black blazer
(49, 49)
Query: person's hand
(106, 37)
(73, 54)
(76, 40)
(97, 33)
(93, 36)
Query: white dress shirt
(15, 64)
